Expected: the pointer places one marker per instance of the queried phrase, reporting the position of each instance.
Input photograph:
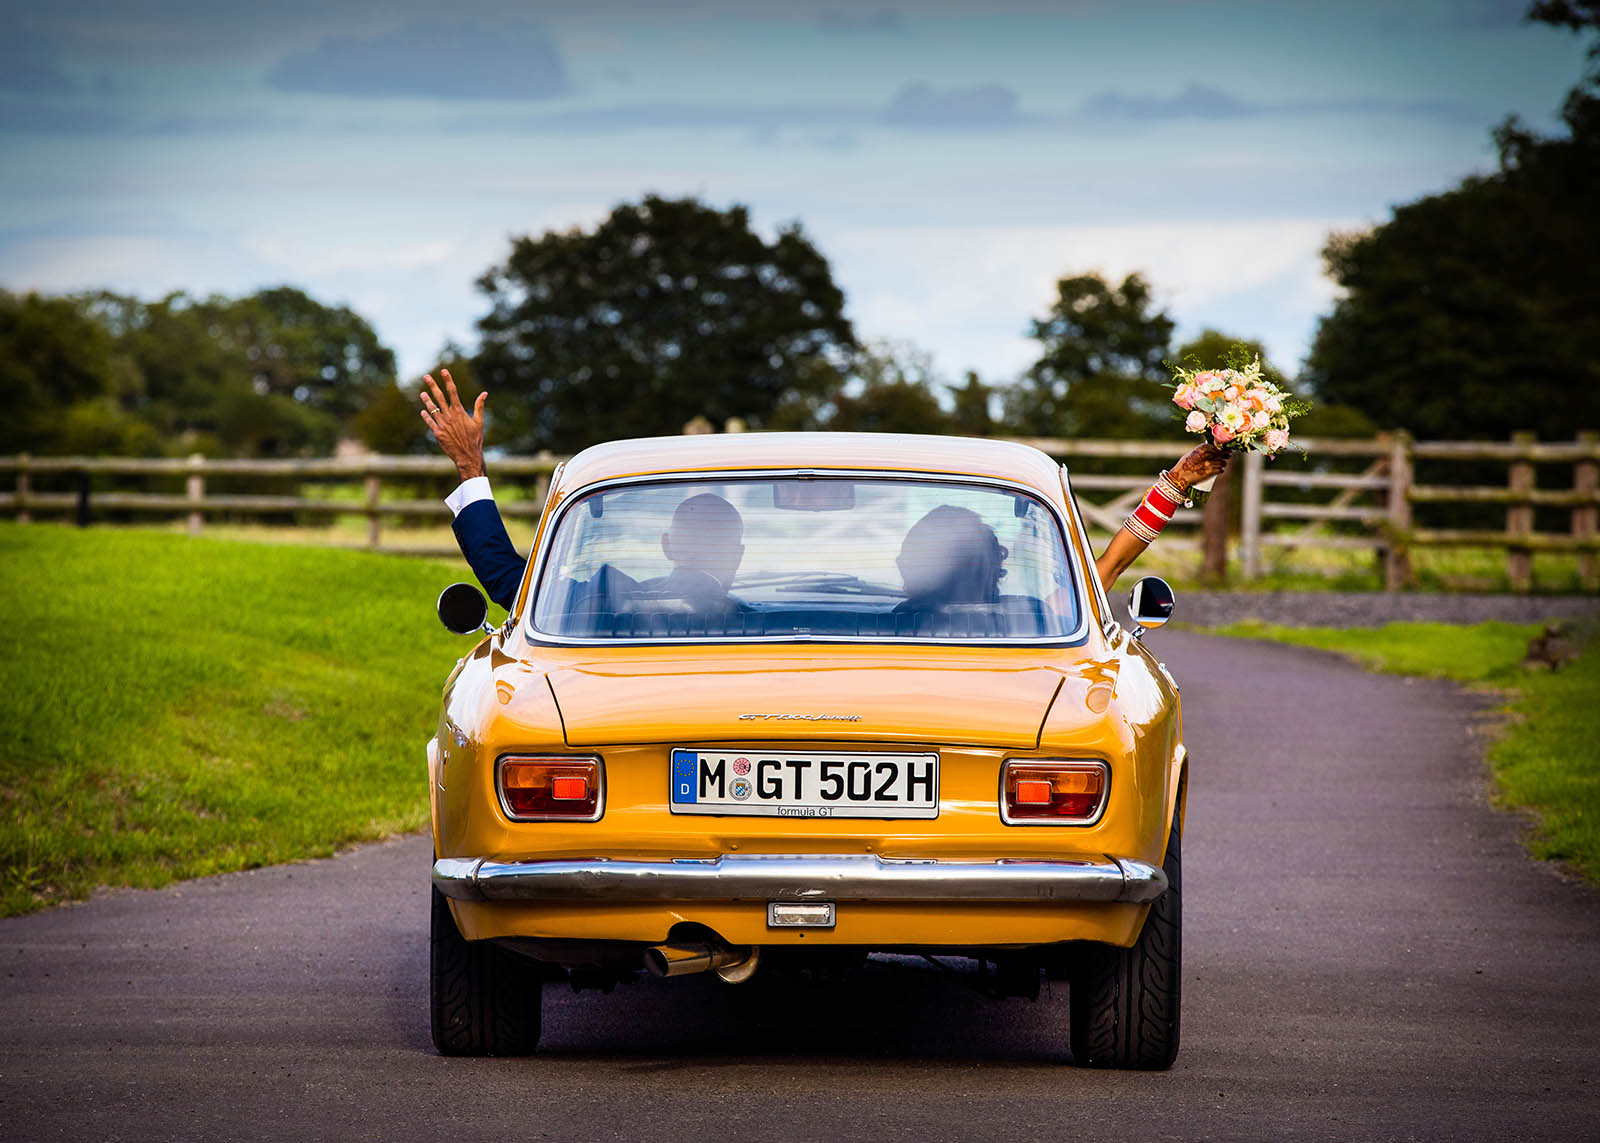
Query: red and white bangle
(1163, 499)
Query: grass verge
(1546, 758)
(172, 707)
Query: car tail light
(1053, 793)
(555, 788)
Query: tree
(326, 358)
(892, 391)
(52, 357)
(885, 387)
(274, 373)
(1473, 312)
(667, 310)
(390, 423)
(1100, 371)
(972, 414)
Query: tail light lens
(1053, 793)
(536, 788)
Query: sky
(951, 158)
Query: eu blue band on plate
(684, 776)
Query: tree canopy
(669, 309)
(1100, 371)
(1474, 312)
(270, 374)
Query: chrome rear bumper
(799, 877)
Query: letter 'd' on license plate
(784, 784)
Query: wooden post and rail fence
(1370, 484)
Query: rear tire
(485, 1001)
(1125, 1002)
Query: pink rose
(1202, 378)
(1196, 422)
(1184, 397)
(1222, 434)
(1260, 420)
(1277, 439)
(1231, 392)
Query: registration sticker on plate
(785, 784)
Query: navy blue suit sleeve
(482, 536)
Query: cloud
(432, 59)
(916, 105)
(32, 117)
(30, 62)
(1201, 101)
(1197, 101)
(649, 116)
(1489, 13)
(318, 259)
(967, 292)
(922, 105)
(884, 21)
(54, 117)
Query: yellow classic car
(770, 699)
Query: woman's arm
(1125, 547)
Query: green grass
(173, 707)
(1546, 757)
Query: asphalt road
(1368, 956)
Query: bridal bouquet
(1239, 408)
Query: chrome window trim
(1105, 768)
(1108, 620)
(514, 756)
(1074, 637)
(526, 597)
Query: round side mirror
(1150, 602)
(462, 608)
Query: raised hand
(459, 433)
(1198, 463)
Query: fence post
(374, 491)
(1250, 515)
(24, 489)
(195, 492)
(1214, 529)
(1519, 520)
(541, 483)
(1397, 567)
(1585, 518)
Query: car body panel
(1104, 697)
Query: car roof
(889, 452)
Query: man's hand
(459, 433)
(1198, 463)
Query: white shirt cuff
(470, 491)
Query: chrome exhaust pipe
(685, 959)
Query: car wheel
(485, 1000)
(1125, 1002)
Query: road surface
(1369, 955)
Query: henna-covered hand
(459, 433)
(1198, 463)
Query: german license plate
(784, 784)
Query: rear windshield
(823, 557)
